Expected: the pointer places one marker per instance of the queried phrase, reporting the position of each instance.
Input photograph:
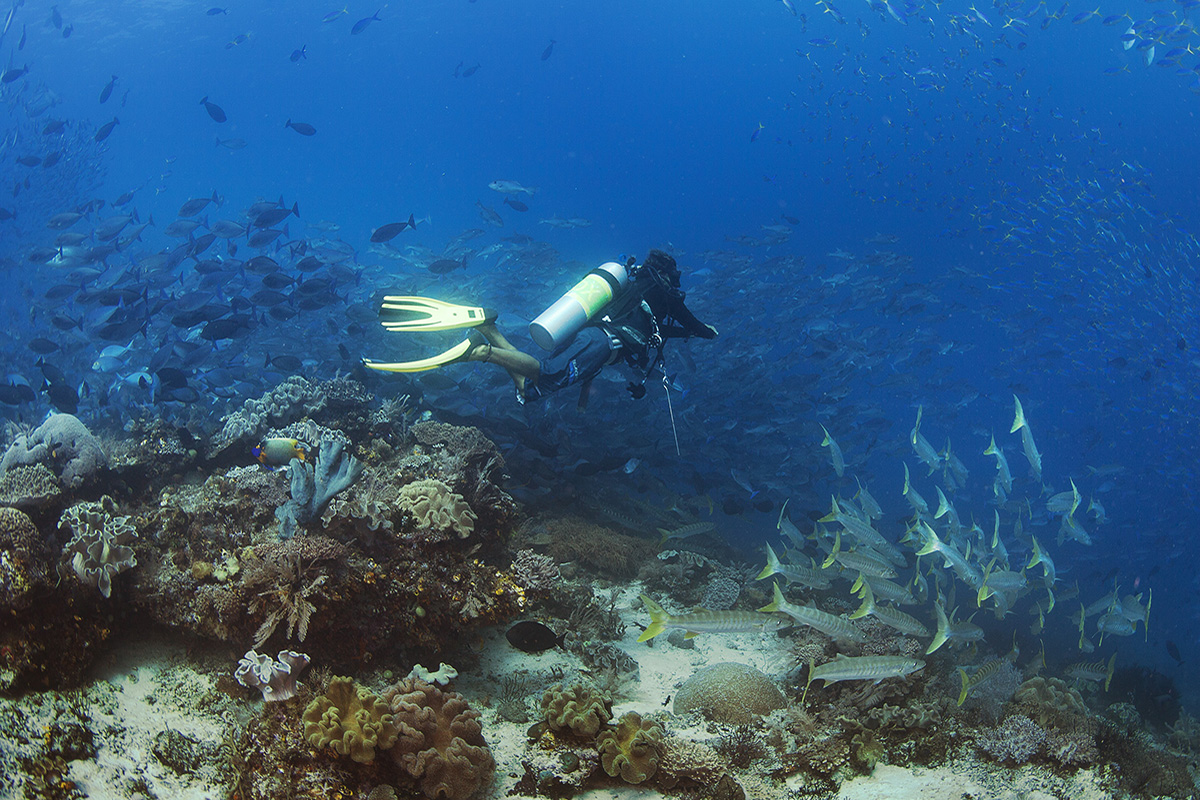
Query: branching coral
(1016, 741)
(350, 720)
(315, 485)
(440, 740)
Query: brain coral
(349, 719)
(441, 741)
(581, 710)
(729, 692)
(632, 749)
(63, 443)
(438, 508)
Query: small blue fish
(757, 131)
(299, 54)
(365, 23)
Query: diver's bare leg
(520, 366)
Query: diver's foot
(481, 347)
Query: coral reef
(578, 709)
(595, 548)
(440, 741)
(100, 547)
(729, 692)
(631, 749)
(287, 402)
(314, 485)
(534, 572)
(63, 444)
(438, 509)
(29, 486)
(1015, 741)
(277, 679)
(350, 720)
(24, 561)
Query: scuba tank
(558, 323)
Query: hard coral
(1016, 741)
(28, 485)
(729, 692)
(351, 720)
(579, 709)
(62, 443)
(100, 548)
(440, 740)
(24, 555)
(631, 750)
(437, 508)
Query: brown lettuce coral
(437, 507)
(349, 719)
(440, 741)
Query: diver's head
(663, 267)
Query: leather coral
(440, 741)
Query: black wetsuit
(648, 305)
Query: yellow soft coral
(631, 750)
(580, 709)
(437, 507)
(351, 720)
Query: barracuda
(793, 573)
(893, 618)
(861, 668)
(831, 625)
(705, 621)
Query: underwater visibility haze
(950, 250)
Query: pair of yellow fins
(405, 314)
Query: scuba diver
(618, 312)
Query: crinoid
(287, 598)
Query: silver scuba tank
(558, 323)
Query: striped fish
(793, 572)
(829, 624)
(1093, 671)
(861, 668)
(685, 531)
(704, 621)
(892, 617)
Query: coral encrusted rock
(64, 445)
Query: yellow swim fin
(404, 314)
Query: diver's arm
(688, 325)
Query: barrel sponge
(351, 720)
(729, 692)
(580, 709)
(440, 741)
(438, 508)
(632, 749)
